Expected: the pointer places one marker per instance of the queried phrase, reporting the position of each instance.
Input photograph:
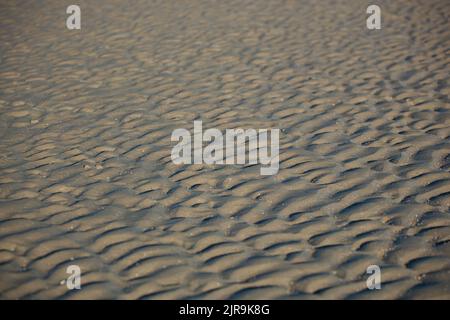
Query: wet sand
(86, 176)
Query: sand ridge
(86, 176)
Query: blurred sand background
(86, 176)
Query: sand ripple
(85, 170)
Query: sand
(86, 176)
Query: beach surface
(86, 176)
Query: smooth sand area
(86, 176)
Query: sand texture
(86, 176)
